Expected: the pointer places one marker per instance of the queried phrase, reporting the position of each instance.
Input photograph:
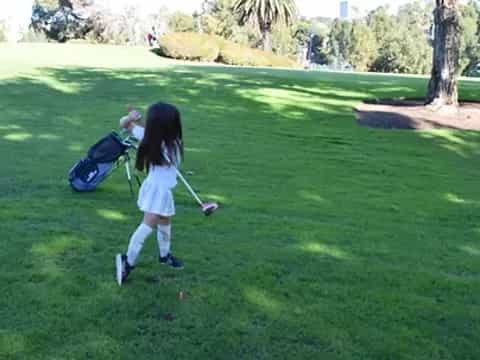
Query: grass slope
(334, 241)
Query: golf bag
(99, 162)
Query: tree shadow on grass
(332, 240)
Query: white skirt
(156, 199)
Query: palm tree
(264, 14)
(442, 89)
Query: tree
(443, 86)
(283, 40)
(339, 42)
(470, 46)
(403, 40)
(217, 18)
(311, 34)
(382, 25)
(127, 25)
(417, 14)
(264, 14)
(181, 22)
(71, 4)
(67, 21)
(414, 28)
(404, 54)
(363, 47)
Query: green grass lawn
(333, 241)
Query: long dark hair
(163, 134)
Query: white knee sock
(136, 242)
(163, 238)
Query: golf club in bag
(102, 159)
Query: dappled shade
(335, 239)
(413, 114)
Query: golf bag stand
(128, 172)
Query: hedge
(189, 46)
(204, 47)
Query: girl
(160, 152)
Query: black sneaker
(171, 261)
(123, 268)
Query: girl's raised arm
(128, 122)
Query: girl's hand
(134, 115)
(125, 122)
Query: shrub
(81, 41)
(234, 54)
(31, 36)
(189, 46)
(204, 47)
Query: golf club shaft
(189, 188)
(185, 182)
(127, 168)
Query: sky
(18, 12)
(327, 8)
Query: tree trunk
(266, 39)
(442, 88)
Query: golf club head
(209, 208)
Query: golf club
(208, 208)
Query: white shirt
(165, 175)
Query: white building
(345, 10)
